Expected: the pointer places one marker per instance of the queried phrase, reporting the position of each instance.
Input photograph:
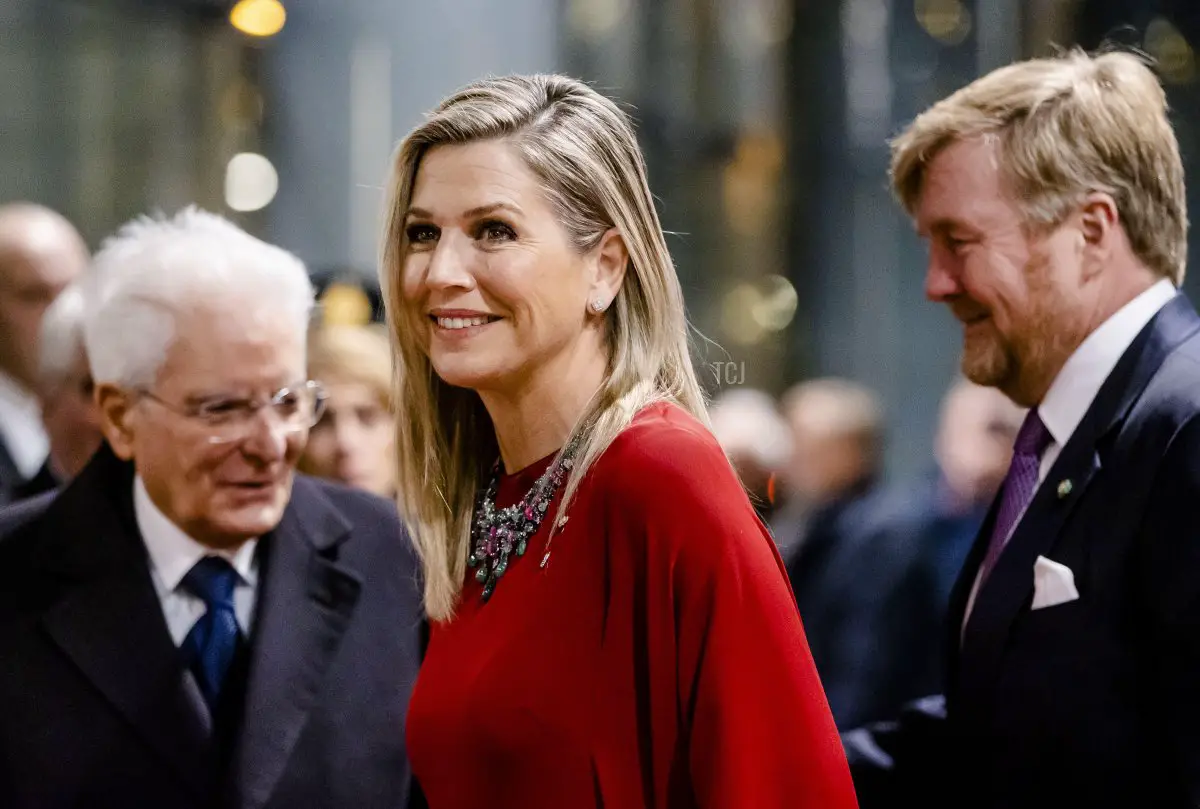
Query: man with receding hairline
(1051, 194)
(40, 254)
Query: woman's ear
(611, 260)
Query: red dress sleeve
(730, 679)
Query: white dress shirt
(1074, 389)
(173, 553)
(1076, 386)
(21, 426)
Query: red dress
(657, 661)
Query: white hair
(747, 421)
(60, 343)
(156, 269)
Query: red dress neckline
(513, 486)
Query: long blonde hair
(583, 150)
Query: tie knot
(1033, 437)
(212, 579)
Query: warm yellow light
(258, 18)
(596, 18)
(737, 315)
(947, 21)
(777, 305)
(1173, 55)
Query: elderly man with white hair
(190, 623)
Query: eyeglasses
(228, 419)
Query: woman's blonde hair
(358, 354)
(1065, 127)
(582, 149)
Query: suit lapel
(306, 602)
(1009, 587)
(109, 622)
(114, 632)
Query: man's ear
(115, 407)
(1099, 222)
(612, 259)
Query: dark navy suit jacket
(867, 602)
(1094, 702)
(93, 702)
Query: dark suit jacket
(1094, 702)
(44, 481)
(11, 478)
(94, 708)
(865, 596)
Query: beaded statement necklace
(498, 534)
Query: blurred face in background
(836, 433)
(40, 254)
(826, 463)
(354, 440)
(72, 420)
(975, 441)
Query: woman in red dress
(611, 624)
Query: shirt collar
(1076, 386)
(21, 426)
(173, 553)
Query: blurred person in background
(973, 449)
(612, 625)
(354, 442)
(188, 623)
(852, 557)
(1051, 193)
(64, 389)
(347, 298)
(40, 254)
(754, 435)
(836, 442)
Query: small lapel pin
(1064, 488)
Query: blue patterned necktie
(209, 647)
(1019, 486)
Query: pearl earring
(597, 306)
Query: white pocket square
(1053, 583)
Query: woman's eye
(493, 231)
(421, 234)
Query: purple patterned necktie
(1019, 485)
